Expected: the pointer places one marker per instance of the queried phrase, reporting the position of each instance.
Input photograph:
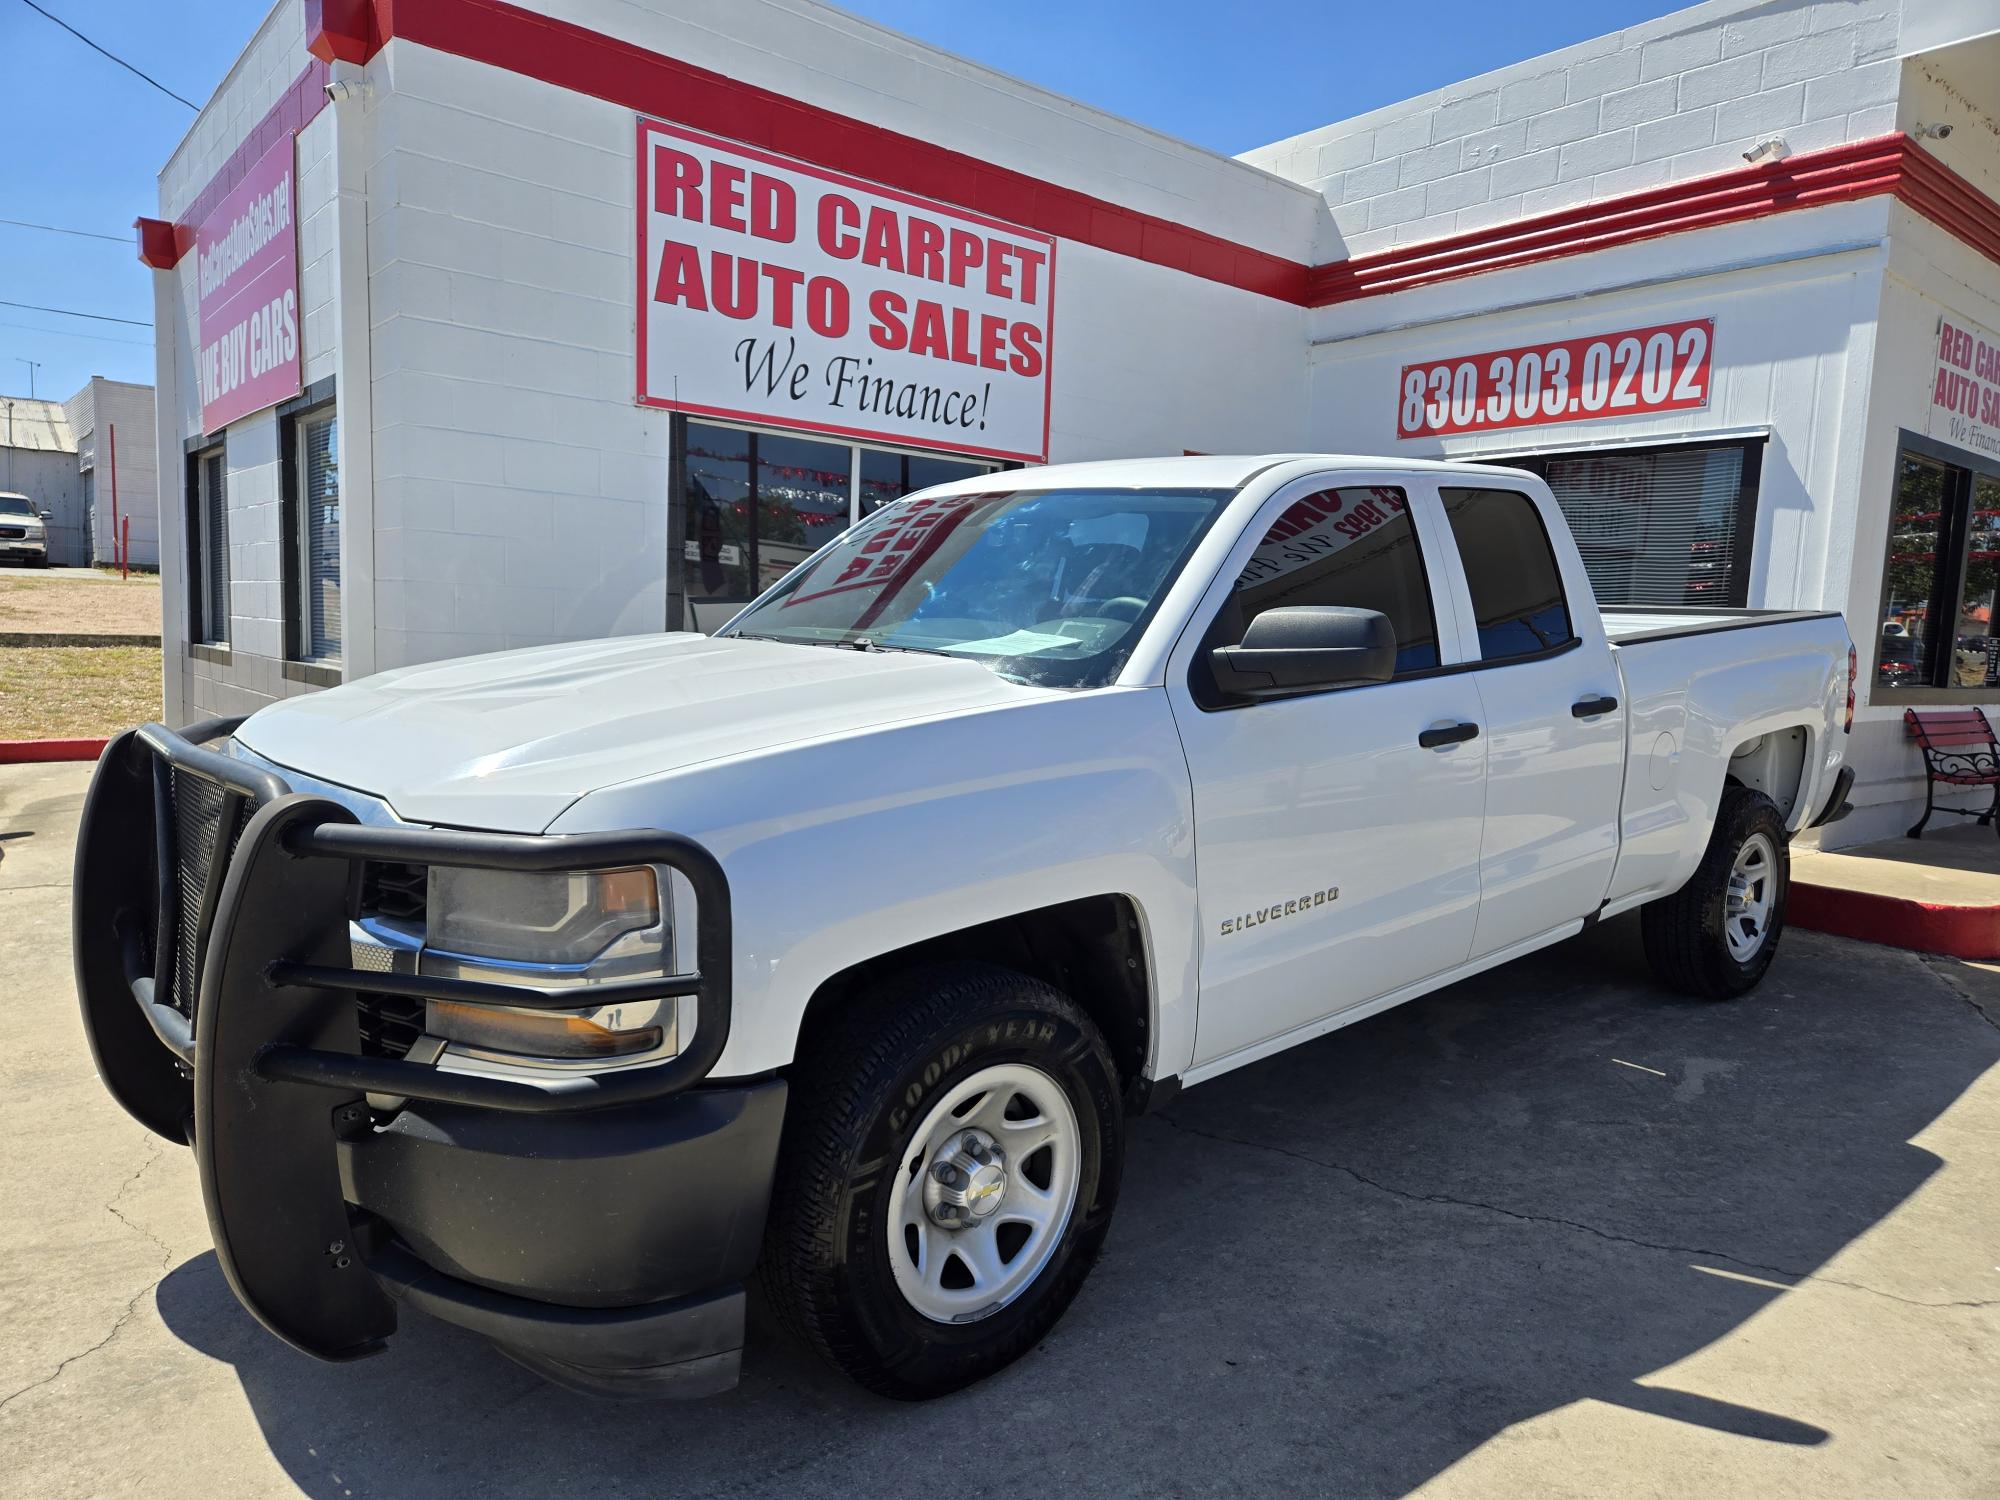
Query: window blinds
(215, 551)
(319, 536)
(1654, 528)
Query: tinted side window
(1517, 592)
(1355, 547)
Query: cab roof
(1196, 471)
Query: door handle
(1450, 734)
(1590, 708)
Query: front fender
(844, 849)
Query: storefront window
(1664, 526)
(1942, 575)
(717, 497)
(756, 504)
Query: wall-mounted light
(1774, 149)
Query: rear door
(1548, 693)
(1336, 857)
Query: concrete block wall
(251, 672)
(824, 56)
(1675, 98)
(522, 495)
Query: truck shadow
(1343, 1268)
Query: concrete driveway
(1550, 1232)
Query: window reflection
(756, 504)
(1917, 529)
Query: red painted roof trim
(1838, 174)
(620, 72)
(605, 67)
(346, 30)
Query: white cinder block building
(483, 326)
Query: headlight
(554, 930)
(570, 918)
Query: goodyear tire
(950, 1163)
(1716, 935)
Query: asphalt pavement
(1550, 1232)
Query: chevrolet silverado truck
(560, 993)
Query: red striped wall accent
(589, 62)
(1837, 174)
(1949, 201)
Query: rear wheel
(950, 1163)
(1717, 934)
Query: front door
(1337, 858)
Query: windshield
(15, 505)
(1042, 586)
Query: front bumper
(34, 549)
(597, 1228)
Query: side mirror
(1304, 647)
(48, 515)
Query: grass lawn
(76, 692)
(73, 601)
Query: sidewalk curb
(38, 752)
(1896, 921)
(40, 638)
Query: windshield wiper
(867, 643)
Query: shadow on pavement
(1346, 1266)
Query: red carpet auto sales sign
(777, 292)
(1965, 387)
(247, 264)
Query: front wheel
(950, 1163)
(1717, 934)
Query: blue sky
(84, 139)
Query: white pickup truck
(554, 992)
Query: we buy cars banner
(247, 265)
(774, 291)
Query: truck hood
(507, 741)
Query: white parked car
(24, 530)
(556, 992)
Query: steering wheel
(1124, 607)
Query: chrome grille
(13, 533)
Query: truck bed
(1629, 625)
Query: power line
(67, 313)
(89, 234)
(112, 55)
(94, 338)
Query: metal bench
(1959, 750)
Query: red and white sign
(247, 266)
(1317, 527)
(1965, 387)
(1631, 373)
(897, 545)
(777, 292)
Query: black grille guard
(266, 1075)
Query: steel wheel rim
(1751, 894)
(1025, 1114)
